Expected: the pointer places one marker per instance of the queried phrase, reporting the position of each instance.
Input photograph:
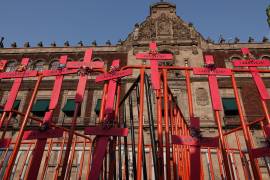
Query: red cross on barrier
(103, 133)
(154, 56)
(42, 136)
(195, 144)
(18, 75)
(213, 84)
(86, 66)
(252, 64)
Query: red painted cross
(42, 136)
(195, 145)
(102, 133)
(252, 64)
(16, 84)
(14, 90)
(213, 84)
(154, 56)
(85, 67)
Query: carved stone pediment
(163, 25)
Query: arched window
(228, 62)
(97, 59)
(265, 57)
(168, 62)
(54, 65)
(11, 66)
(39, 65)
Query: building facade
(173, 35)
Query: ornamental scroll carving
(202, 98)
(164, 25)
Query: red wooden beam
(192, 141)
(261, 152)
(100, 131)
(37, 134)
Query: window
(230, 107)
(39, 66)
(11, 66)
(98, 106)
(40, 107)
(69, 108)
(54, 65)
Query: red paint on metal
(51, 133)
(214, 71)
(115, 75)
(261, 152)
(99, 131)
(153, 56)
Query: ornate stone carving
(164, 26)
(202, 98)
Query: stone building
(173, 35)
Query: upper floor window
(54, 65)
(39, 66)
(265, 57)
(11, 66)
(230, 107)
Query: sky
(102, 20)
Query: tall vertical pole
(254, 165)
(20, 134)
(140, 131)
(166, 114)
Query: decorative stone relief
(202, 98)
(164, 25)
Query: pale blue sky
(88, 20)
